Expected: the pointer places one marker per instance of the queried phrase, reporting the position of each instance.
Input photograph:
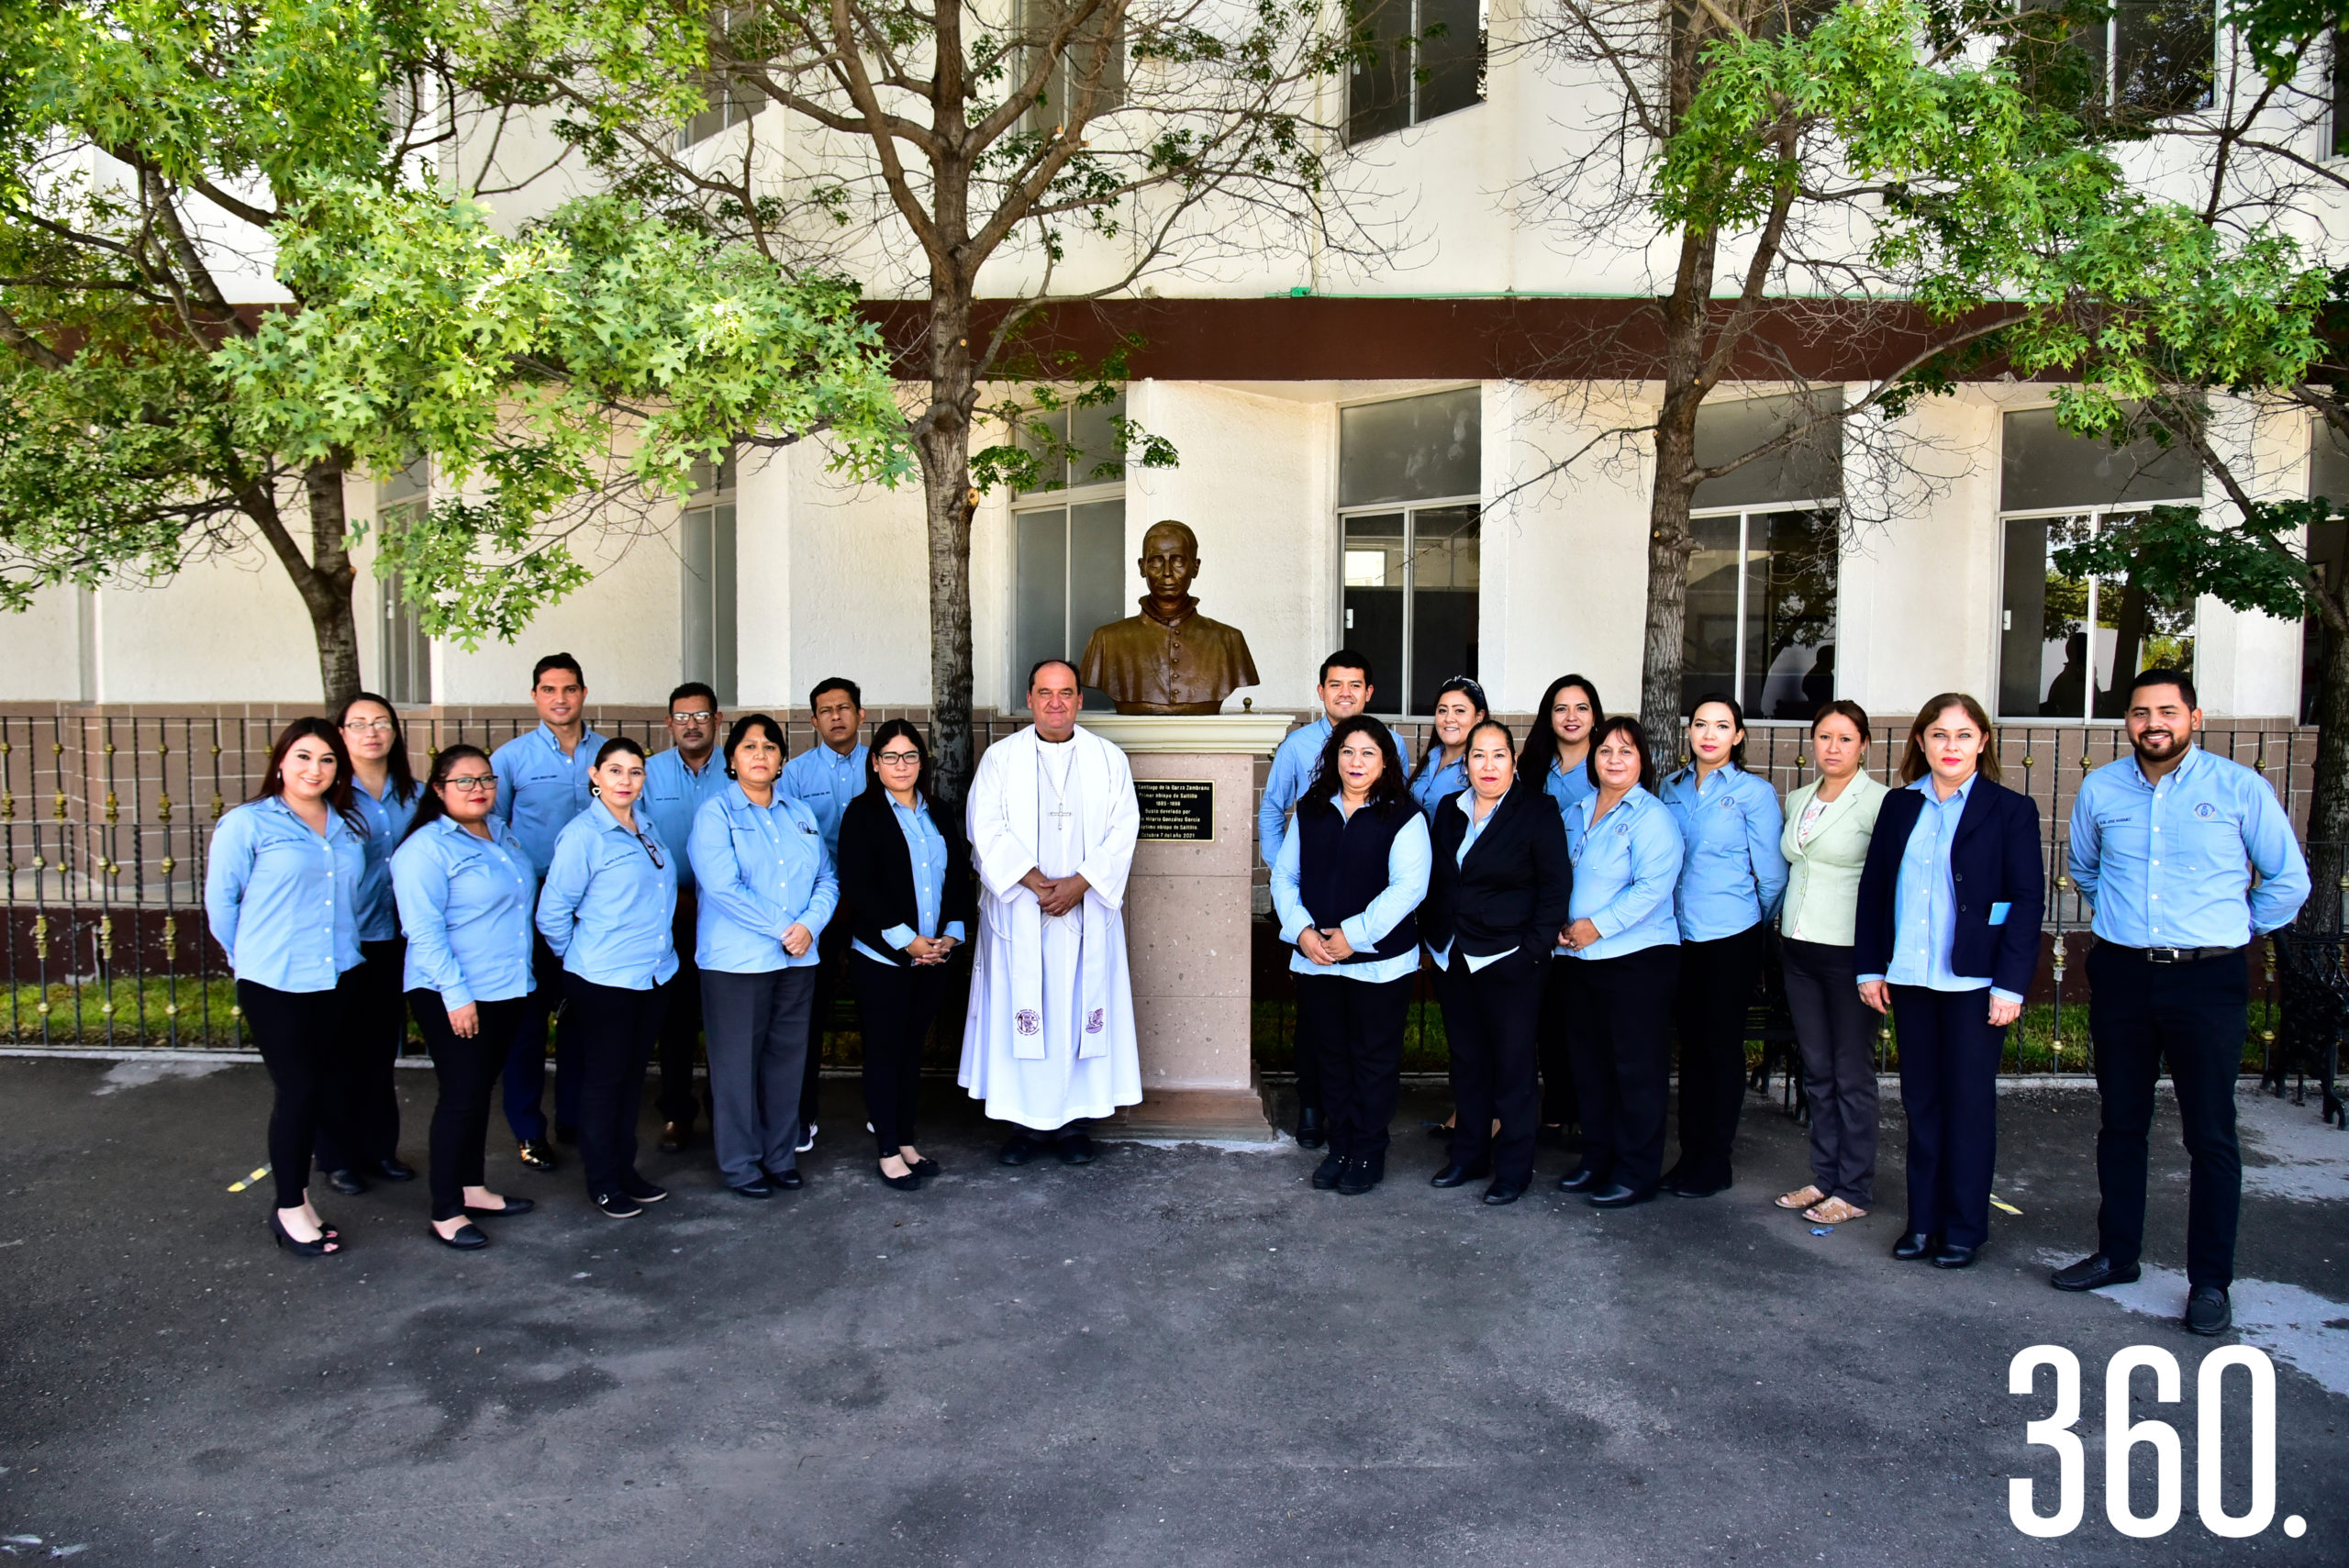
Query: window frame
(397, 624)
(1746, 514)
(723, 590)
(1415, 30)
(2096, 512)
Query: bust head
(1170, 563)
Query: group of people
(1580, 915)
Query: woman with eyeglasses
(905, 882)
(385, 792)
(610, 892)
(1443, 768)
(1557, 753)
(766, 890)
(465, 889)
(280, 896)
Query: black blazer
(1994, 859)
(876, 872)
(1515, 887)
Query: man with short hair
(827, 776)
(542, 785)
(676, 782)
(2163, 846)
(1345, 689)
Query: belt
(2172, 955)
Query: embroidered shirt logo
(1026, 1021)
(2205, 811)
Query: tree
(147, 150)
(1056, 153)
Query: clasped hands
(1056, 894)
(1877, 994)
(1324, 946)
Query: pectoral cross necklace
(1060, 814)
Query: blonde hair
(1913, 766)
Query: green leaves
(2170, 554)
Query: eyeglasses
(652, 849)
(470, 781)
(898, 759)
(371, 726)
(691, 717)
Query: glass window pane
(1708, 631)
(1053, 474)
(1378, 83)
(2329, 465)
(2165, 55)
(1451, 57)
(1373, 601)
(1101, 459)
(2132, 633)
(2338, 69)
(1790, 613)
(1412, 449)
(2044, 644)
(1039, 616)
(1444, 550)
(2043, 465)
(1809, 469)
(1097, 576)
(2328, 555)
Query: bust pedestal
(1187, 914)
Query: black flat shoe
(1950, 1255)
(469, 1238)
(325, 1246)
(908, 1182)
(643, 1191)
(1578, 1181)
(616, 1205)
(1018, 1148)
(927, 1168)
(1456, 1174)
(1619, 1196)
(537, 1155)
(1075, 1148)
(2208, 1310)
(755, 1188)
(1355, 1178)
(348, 1183)
(1312, 1130)
(1688, 1188)
(790, 1181)
(1504, 1192)
(1326, 1174)
(391, 1169)
(1670, 1181)
(1914, 1245)
(513, 1205)
(2094, 1272)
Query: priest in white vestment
(1049, 1041)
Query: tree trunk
(326, 587)
(942, 440)
(2327, 832)
(1669, 544)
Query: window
(2064, 641)
(732, 102)
(1068, 541)
(2337, 139)
(2144, 60)
(1761, 609)
(1416, 60)
(707, 601)
(1081, 57)
(1410, 487)
(406, 652)
(2327, 553)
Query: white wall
(857, 602)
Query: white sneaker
(807, 1139)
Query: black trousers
(1949, 1085)
(758, 1027)
(526, 1066)
(1558, 1106)
(1355, 1030)
(1489, 1021)
(468, 1071)
(2194, 1016)
(378, 1029)
(1716, 989)
(681, 1023)
(614, 1029)
(895, 1007)
(832, 983)
(305, 1040)
(1836, 1033)
(1621, 1009)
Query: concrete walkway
(1176, 1356)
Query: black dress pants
(1620, 1008)
(1949, 1085)
(1714, 990)
(1558, 1108)
(895, 1007)
(378, 1029)
(1836, 1033)
(468, 1071)
(615, 1028)
(1355, 1029)
(681, 1023)
(2192, 1015)
(305, 1040)
(526, 1066)
(1489, 1019)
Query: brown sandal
(1834, 1211)
(1801, 1198)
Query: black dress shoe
(514, 1205)
(2208, 1310)
(2093, 1273)
(1579, 1180)
(676, 1136)
(1355, 1177)
(1021, 1148)
(468, 1238)
(756, 1187)
(350, 1183)
(617, 1206)
(1670, 1181)
(926, 1169)
(789, 1181)
(908, 1182)
(1698, 1187)
(1913, 1246)
(1617, 1196)
(537, 1155)
(1325, 1175)
(1456, 1174)
(393, 1171)
(1312, 1132)
(1505, 1191)
(643, 1191)
(1075, 1148)
(1950, 1255)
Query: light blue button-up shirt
(827, 782)
(282, 898)
(761, 869)
(1924, 902)
(1437, 781)
(926, 848)
(1568, 787)
(1733, 873)
(1409, 859)
(465, 903)
(1476, 825)
(2169, 865)
(1626, 864)
(609, 900)
(387, 820)
(673, 794)
(539, 790)
(1292, 771)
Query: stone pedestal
(1186, 926)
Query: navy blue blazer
(1994, 859)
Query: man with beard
(2164, 847)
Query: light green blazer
(1823, 876)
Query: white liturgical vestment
(1050, 1034)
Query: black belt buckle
(2169, 955)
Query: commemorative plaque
(1177, 810)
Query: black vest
(1341, 866)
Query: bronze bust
(1170, 658)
